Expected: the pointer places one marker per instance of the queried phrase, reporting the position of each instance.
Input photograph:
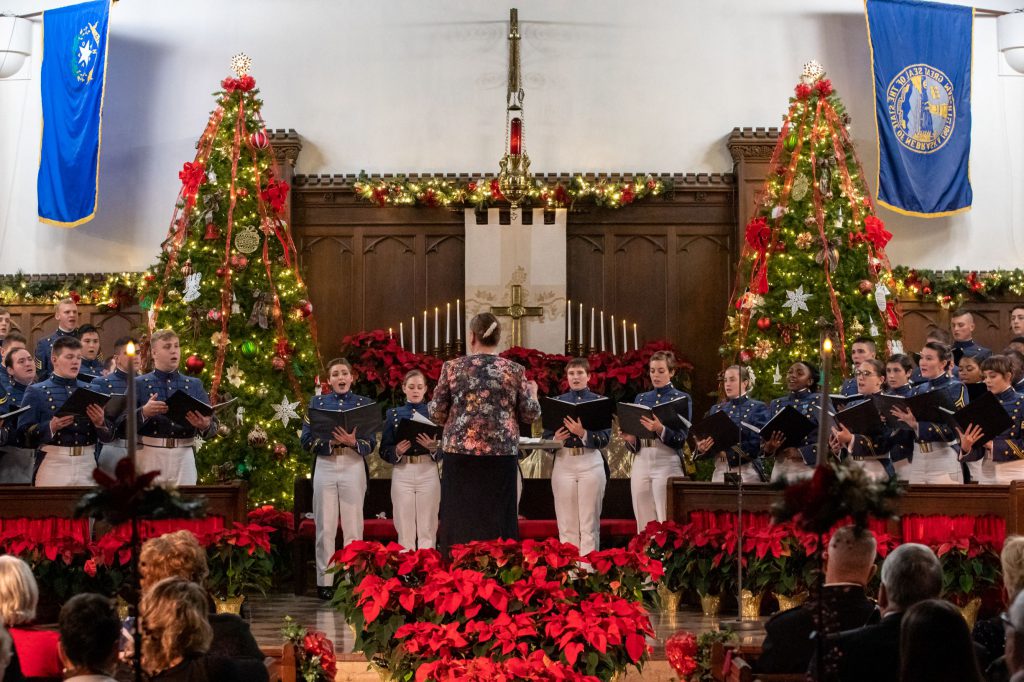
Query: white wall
(418, 86)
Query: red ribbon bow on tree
(192, 175)
(245, 84)
(759, 236)
(876, 232)
(275, 194)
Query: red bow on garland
(876, 232)
(245, 84)
(759, 236)
(275, 194)
(192, 175)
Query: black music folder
(975, 391)
(181, 403)
(596, 415)
(365, 420)
(924, 406)
(840, 401)
(409, 429)
(986, 412)
(863, 419)
(794, 427)
(86, 378)
(669, 413)
(724, 431)
(81, 399)
(116, 406)
(13, 413)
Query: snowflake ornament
(241, 63)
(796, 300)
(813, 71)
(285, 411)
(191, 292)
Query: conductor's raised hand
(153, 407)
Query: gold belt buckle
(926, 447)
(647, 442)
(75, 451)
(576, 452)
(413, 459)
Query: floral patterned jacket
(480, 400)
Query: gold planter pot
(970, 612)
(750, 605)
(230, 604)
(669, 598)
(790, 601)
(710, 605)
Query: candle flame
(130, 349)
(827, 345)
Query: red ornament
(746, 356)
(926, 290)
(277, 363)
(865, 286)
(764, 323)
(211, 231)
(194, 364)
(74, 296)
(779, 247)
(150, 277)
(259, 139)
(280, 451)
(238, 262)
(242, 192)
(305, 308)
(186, 267)
(213, 315)
(222, 271)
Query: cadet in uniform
(795, 463)
(67, 445)
(745, 456)
(579, 474)
(116, 383)
(18, 458)
(898, 370)
(870, 452)
(166, 445)
(339, 472)
(863, 348)
(5, 325)
(91, 362)
(13, 342)
(66, 312)
(935, 458)
(1000, 460)
(415, 480)
(657, 459)
(961, 323)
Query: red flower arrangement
(314, 652)
(380, 364)
(681, 651)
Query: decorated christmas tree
(227, 281)
(814, 252)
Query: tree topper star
(285, 410)
(796, 300)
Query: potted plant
(239, 562)
(969, 568)
(669, 544)
(765, 551)
(711, 566)
(797, 567)
(311, 652)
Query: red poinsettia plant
(239, 559)
(380, 363)
(969, 567)
(531, 609)
(670, 544)
(315, 659)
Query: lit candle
(447, 323)
(391, 333)
(602, 331)
(436, 327)
(426, 348)
(458, 321)
(625, 344)
(413, 327)
(132, 415)
(581, 325)
(636, 344)
(568, 319)
(592, 344)
(824, 428)
(401, 334)
(615, 351)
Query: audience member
(935, 645)
(1013, 622)
(849, 565)
(90, 632)
(910, 574)
(989, 634)
(36, 649)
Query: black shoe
(325, 593)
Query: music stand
(739, 623)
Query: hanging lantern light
(514, 178)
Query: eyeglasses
(864, 373)
(1005, 617)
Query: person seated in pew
(870, 452)
(34, 647)
(795, 463)
(67, 445)
(737, 382)
(935, 457)
(90, 635)
(579, 473)
(1001, 459)
(657, 459)
(936, 646)
(415, 481)
(863, 348)
(989, 633)
(849, 567)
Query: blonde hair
(176, 554)
(1012, 561)
(161, 335)
(174, 623)
(19, 593)
(63, 301)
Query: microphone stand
(740, 623)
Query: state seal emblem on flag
(84, 53)
(921, 108)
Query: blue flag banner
(921, 59)
(71, 84)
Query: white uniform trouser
(416, 499)
(990, 472)
(791, 469)
(874, 468)
(110, 455)
(648, 484)
(939, 465)
(16, 465)
(578, 483)
(339, 487)
(58, 469)
(176, 465)
(903, 469)
(747, 471)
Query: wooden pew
(229, 500)
(1005, 501)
